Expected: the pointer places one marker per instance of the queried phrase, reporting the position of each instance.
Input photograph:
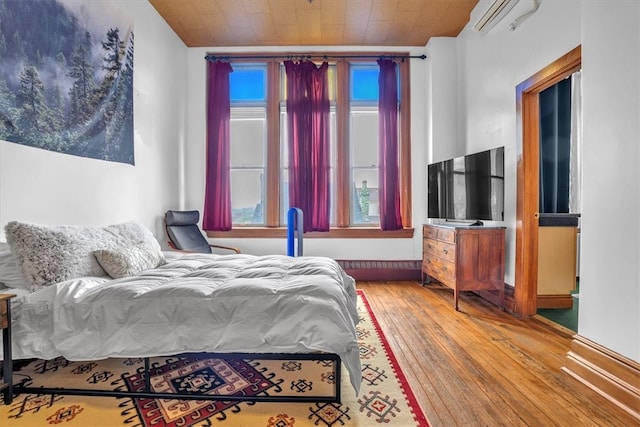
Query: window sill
(334, 233)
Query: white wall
(442, 92)
(490, 67)
(391, 249)
(50, 188)
(610, 268)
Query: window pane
(248, 136)
(364, 82)
(365, 209)
(247, 196)
(248, 165)
(363, 143)
(364, 165)
(364, 137)
(331, 76)
(248, 83)
(284, 196)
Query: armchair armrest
(174, 248)
(230, 248)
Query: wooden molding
(406, 202)
(333, 233)
(273, 145)
(554, 301)
(384, 270)
(608, 373)
(343, 173)
(527, 175)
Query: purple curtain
(308, 126)
(388, 177)
(217, 197)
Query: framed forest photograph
(66, 77)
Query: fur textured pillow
(51, 254)
(126, 262)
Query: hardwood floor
(481, 366)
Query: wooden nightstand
(6, 383)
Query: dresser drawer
(446, 251)
(447, 235)
(430, 246)
(429, 232)
(439, 269)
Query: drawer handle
(445, 251)
(429, 246)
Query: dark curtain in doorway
(555, 147)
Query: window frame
(342, 229)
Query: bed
(184, 303)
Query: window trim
(333, 233)
(343, 212)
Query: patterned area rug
(385, 397)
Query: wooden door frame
(527, 176)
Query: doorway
(528, 176)
(560, 201)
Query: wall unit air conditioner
(493, 15)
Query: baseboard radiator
(382, 270)
(608, 373)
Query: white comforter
(213, 303)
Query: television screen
(470, 187)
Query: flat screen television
(467, 188)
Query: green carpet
(566, 317)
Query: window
(363, 125)
(258, 137)
(284, 144)
(248, 126)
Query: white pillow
(129, 261)
(11, 274)
(52, 254)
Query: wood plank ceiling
(208, 23)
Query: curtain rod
(309, 57)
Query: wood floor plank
(482, 366)
(447, 374)
(404, 351)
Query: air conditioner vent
(493, 15)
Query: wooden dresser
(6, 382)
(465, 258)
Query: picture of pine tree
(66, 85)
